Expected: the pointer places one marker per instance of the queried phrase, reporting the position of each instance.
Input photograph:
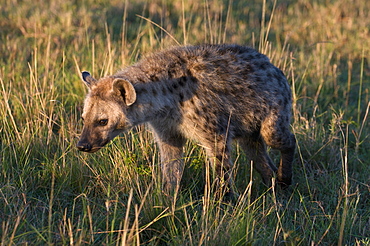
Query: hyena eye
(103, 122)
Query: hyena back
(212, 94)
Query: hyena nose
(84, 147)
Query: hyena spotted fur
(212, 94)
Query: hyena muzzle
(212, 94)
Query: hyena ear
(89, 81)
(125, 89)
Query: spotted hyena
(212, 94)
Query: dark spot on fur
(206, 54)
(207, 118)
(175, 85)
(154, 91)
(249, 68)
(164, 91)
(181, 95)
(182, 81)
(212, 123)
(193, 79)
(205, 109)
(171, 73)
(182, 60)
(221, 125)
(279, 122)
(252, 94)
(250, 57)
(264, 65)
(195, 117)
(188, 72)
(260, 56)
(258, 79)
(143, 90)
(255, 135)
(286, 101)
(153, 77)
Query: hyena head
(105, 111)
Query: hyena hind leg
(276, 134)
(255, 149)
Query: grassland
(50, 194)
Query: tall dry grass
(51, 194)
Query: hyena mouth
(95, 149)
(90, 149)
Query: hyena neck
(151, 103)
(157, 100)
(162, 84)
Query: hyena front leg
(218, 153)
(172, 164)
(287, 156)
(275, 132)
